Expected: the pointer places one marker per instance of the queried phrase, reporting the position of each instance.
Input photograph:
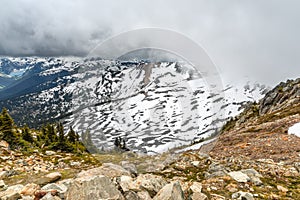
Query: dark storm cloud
(252, 37)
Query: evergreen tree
(26, 135)
(6, 128)
(51, 133)
(71, 136)
(61, 134)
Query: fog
(254, 38)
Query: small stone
(242, 196)
(282, 189)
(232, 187)
(239, 176)
(195, 163)
(50, 153)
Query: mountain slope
(261, 130)
(153, 106)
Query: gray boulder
(171, 191)
(93, 187)
(107, 169)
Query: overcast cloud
(250, 37)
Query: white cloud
(253, 37)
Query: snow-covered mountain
(153, 106)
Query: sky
(254, 38)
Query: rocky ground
(189, 175)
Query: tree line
(49, 137)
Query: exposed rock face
(283, 95)
(93, 187)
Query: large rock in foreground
(107, 169)
(171, 191)
(93, 187)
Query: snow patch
(294, 130)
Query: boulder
(144, 195)
(151, 183)
(254, 176)
(196, 187)
(54, 186)
(215, 170)
(198, 196)
(93, 187)
(127, 183)
(239, 176)
(60, 188)
(29, 189)
(11, 193)
(196, 192)
(129, 167)
(107, 169)
(171, 191)
(49, 178)
(4, 174)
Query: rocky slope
(254, 158)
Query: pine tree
(61, 134)
(71, 136)
(26, 135)
(51, 134)
(6, 128)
